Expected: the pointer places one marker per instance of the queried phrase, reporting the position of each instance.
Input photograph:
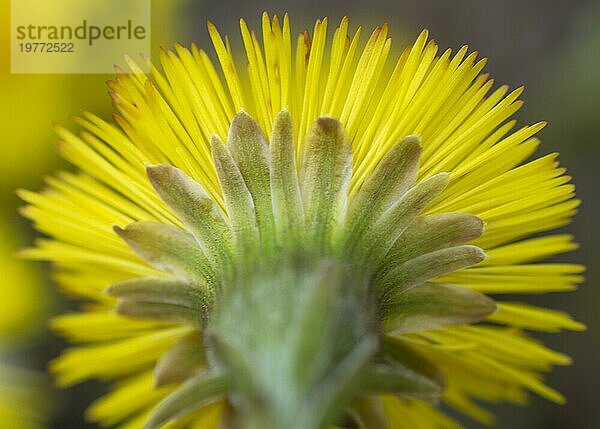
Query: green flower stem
(295, 340)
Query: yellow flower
(169, 118)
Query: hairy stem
(295, 339)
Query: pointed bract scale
(185, 359)
(395, 174)
(404, 372)
(285, 189)
(368, 412)
(376, 242)
(426, 267)
(170, 249)
(193, 394)
(200, 214)
(158, 311)
(340, 384)
(162, 298)
(162, 289)
(398, 380)
(238, 200)
(436, 306)
(429, 233)
(250, 150)
(399, 351)
(349, 420)
(325, 173)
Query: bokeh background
(552, 47)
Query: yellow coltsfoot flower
(310, 244)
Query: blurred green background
(551, 47)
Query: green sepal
(394, 175)
(150, 310)
(325, 173)
(426, 267)
(430, 233)
(399, 380)
(366, 412)
(399, 351)
(249, 148)
(192, 395)
(162, 298)
(185, 359)
(436, 306)
(339, 385)
(376, 242)
(285, 189)
(170, 249)
(198, 211)
(238, 200)
(349, 420)
(404, 372)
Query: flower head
(308, 243)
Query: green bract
(298, 291)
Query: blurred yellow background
(29, 104)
